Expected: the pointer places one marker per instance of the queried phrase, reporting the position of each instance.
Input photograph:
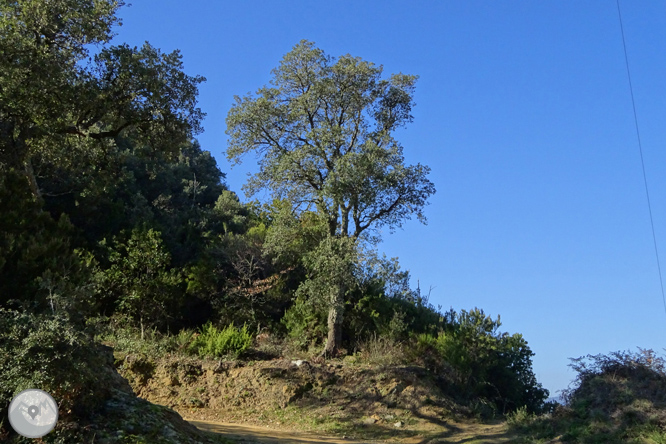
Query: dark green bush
(482, 362)
(305, 323)
(48, 353)
(140, 281)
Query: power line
(640, 149)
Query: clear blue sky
(524, 115)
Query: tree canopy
(324, 130)
(58, 102)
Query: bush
(47, 352)
(305, 323)
(483, 363)
(140, 281)
(124, 337)
(619, 397)
(520, 418)
(381, 351)
(217, 343)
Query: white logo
(33, 413)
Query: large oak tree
(323, 130)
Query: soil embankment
(298, 401)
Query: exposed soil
(341, 400)
(460, 433)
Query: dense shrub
(619, 397)
(39, 269)
(217, 343)
(305, 323)
(140, 281)
(483, 362)
(47, 352)
(385, 305)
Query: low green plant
(213, 342)
(520, 418)
(654, 435)
(126, 338)
(183, 339)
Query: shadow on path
(455, 434)
(249, 434)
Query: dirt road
(458, 433)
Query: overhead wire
(640, 149)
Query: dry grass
(380, 351)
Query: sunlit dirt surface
(454, 433)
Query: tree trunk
(335, 313)
(14, 153)
(32, 180)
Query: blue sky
(524, 115)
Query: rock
(398, 424)
(369, 421)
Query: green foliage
(50, 353)
(305, 323)
(331, 270)
(139, 277)
(39, 269)
(217, 343)
(290, 236)
(231, 216)
(484, 363)
(383, 305)
(619, 397)
(325, 128)
(56, 102)
(126, 338)
(520, 418)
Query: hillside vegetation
(616, 398)
(117, 227)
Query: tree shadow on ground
(371, 407)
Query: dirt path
(251, 434)
(457, 433)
